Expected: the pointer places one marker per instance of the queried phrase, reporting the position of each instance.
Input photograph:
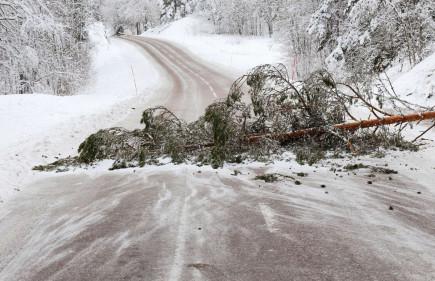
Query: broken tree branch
(422, 134)
(369, 105)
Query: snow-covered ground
(417, 84)
(198, 35)
(36, 128)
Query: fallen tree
(307, 117)
(399, 119)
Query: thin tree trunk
(348, 126)
(341, 127)
(270, 28)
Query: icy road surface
(187, 84)
(194, 223)
(174, 223)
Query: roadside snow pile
(38, 128)
(418, 85)
(239, 52)
(115, 61)
(414, 84)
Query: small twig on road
(424, 132)
(134, 79)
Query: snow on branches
(43, 45)
(367, 36)
(307, 117)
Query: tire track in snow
(269, 217)
(180, 242)
(189, 69)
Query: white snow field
(418, 84)
(36, 128)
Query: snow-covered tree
(43, 45)
(243, 17)
(366, 36)
(291, 29)
(268, 10)
(136, 15)
(176, 9)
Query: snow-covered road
(191, 223)
(187, 84)
(195, 223)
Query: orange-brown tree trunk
(343, 127)
(349, 126)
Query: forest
(44, 46)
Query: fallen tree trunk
(341, 127)
(348, 126)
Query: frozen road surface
(196, 223)
(187, 83)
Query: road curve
(188, 84)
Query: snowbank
(418, 84)
(237, 52)
(415, 85)
(115, 61)
(37, 128)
